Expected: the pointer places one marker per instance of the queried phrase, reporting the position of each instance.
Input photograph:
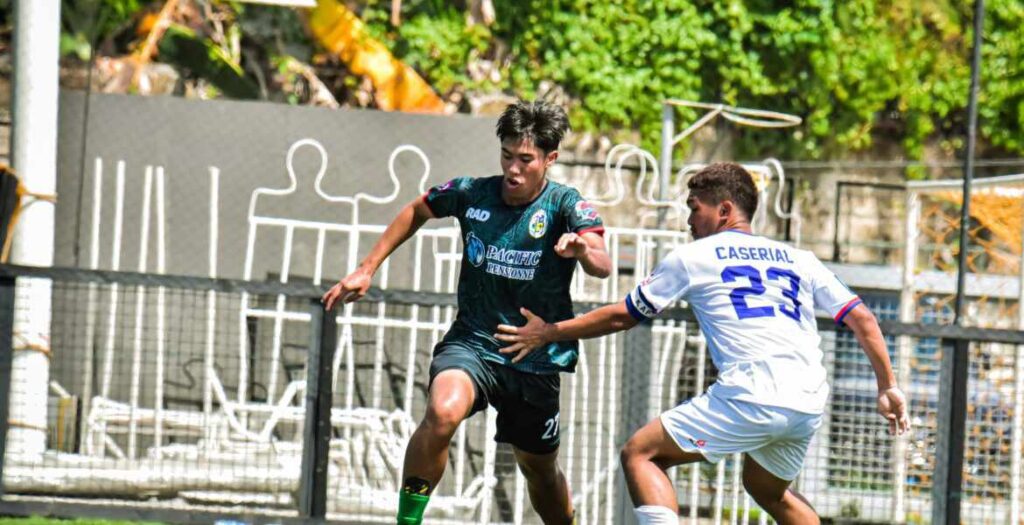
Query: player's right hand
(524, 338)
(892, 404)
(352, 288)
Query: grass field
(35, 520)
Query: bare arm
(536, 332)
(588, 249)
(406, 223)
(892, 404)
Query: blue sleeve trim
(647, 302)
(633, 311)
(847, 309)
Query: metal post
(835, 221)
(947, 495)
(668, 132)
(317, 429)
(952, 410)
(34, 158)
(6, 355)
(636, 396)
(1017, 439)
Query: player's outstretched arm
(354, 286)
(536, 332)
(892, 404)
(588, 249)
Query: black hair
(723, 181)
(541, 122)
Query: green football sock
(411, 507)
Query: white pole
(90, 313)
(161, 307)
(734, 510)
(115, 265)
(702, 347)
(211, 296)
(140, 315)
(34, 158)
(905, 349)
(719, 497)
(613, 411)
(667, 144)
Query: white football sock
(655, 515)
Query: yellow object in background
(397, 86)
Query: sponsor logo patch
(437, 190)
(479, 215)
(585, 211)
(474, 250)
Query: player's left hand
(892, 405)
(525, 338)
(571, 245)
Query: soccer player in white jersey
(755, 300)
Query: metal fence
(185, 398)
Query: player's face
(524, 166)
(705, 218)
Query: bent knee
(444, 417)
(634, 450)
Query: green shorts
(527, 404)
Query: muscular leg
(451, 398)
(646, 456)
(773, 495)
(549, 491)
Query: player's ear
(550, 158)
(725, 209)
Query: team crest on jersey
(474, 250)
(538, 224)
(585, 211)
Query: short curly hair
(541, 122)
(723, 181)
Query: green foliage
(85, 22)
(1001, 102)
(855, 71)
(182, 47)
(274, 30)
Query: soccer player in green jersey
(522, 237)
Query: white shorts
(776, 438)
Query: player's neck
(737, 225)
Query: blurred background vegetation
(887, 76)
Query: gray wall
(248, 142)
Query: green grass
(37, 520)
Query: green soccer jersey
(509, 261)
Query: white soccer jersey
(754, 299)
